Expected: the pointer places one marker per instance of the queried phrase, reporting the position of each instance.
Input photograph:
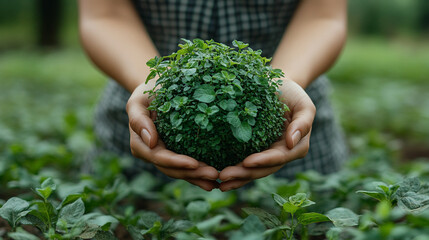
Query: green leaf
(151, 75)
(228, 76)
(207, 78)
(413, 202)
(252, 224)
(408, 185)
(383, 210)
(209, 224)
(233, 119)
(205, 93)
(165, 107)
(202, 107)
(270, 220)
(178, 137)
(179, 101)
(243, 132)
(89, 233)
(212, 110)
(155, 229)
(103, 221)
(189, 71)
(307, 203)
(103, 235)
(194, 229)
(72, 212)
(250, 109)
(47, 187)
(44, 192)
(312, 217)
(334, 233)
(251, 121)
(49, 182)
(12, 210)
(201, 120)
(298, 199)
(271, 233)
(374, 194)
(197, 210)
(173, 87)
(148, 219)
(229, 90)
(279, 199)
(290, 208)
(21, 234)
(143, 183)
(172, 227)
(239, 44)
(175, 119)
(237, 84)
(69, 199)
(44, 211)
(228, 105)
(152, 62)
(343, 217)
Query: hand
(294, 143)
(146, 145)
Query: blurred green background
(380, 82)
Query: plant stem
(47, 213)
(292, 228)
(304, 233)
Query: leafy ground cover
(47, 101)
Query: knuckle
(305, 151)
(135, 125)
(132, 149)
(128, 105)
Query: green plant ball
(216, 103)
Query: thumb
(140, 120)
(302, 121)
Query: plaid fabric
(258, 22)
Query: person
(303, 36)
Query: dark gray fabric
(258, 22)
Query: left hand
(293, 144)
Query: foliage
(371, 198)
(46, 124)
(216, 104)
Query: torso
(261, 23)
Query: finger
(140, 119)
(204, 184)
(239, 172)
(278, 154)
(160, 155)
(302, 121)
(233, 184)
(203, 173)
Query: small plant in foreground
(215, 103)
(55, 220)
(293, 216)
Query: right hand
(146, 145)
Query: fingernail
(296, 137)
(146, 137)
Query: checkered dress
(261, 23)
